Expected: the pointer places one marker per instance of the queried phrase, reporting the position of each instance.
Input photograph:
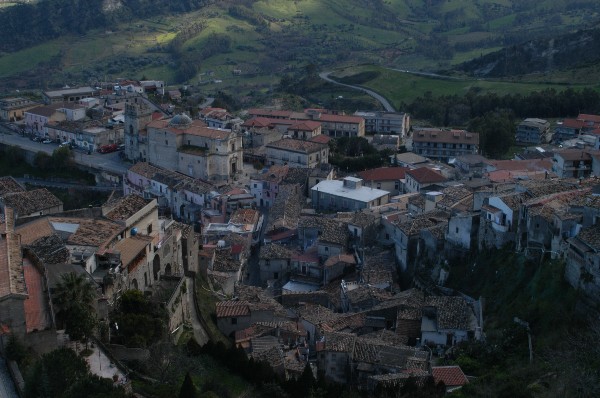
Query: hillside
(55, 42)
(568, 51)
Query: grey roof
(28, 202)
(452, 311)
(274, 251)
(591, 237)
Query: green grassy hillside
(267, 38)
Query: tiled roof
(29, 202)
(131, 247)
(275, 251)
(305, 125)
(316, 314)
(50, 249)
(126, 207)
(37, 314)
(452, 311)
(12, 280)
(451, 376)
(226, 309)
(574, 154)
(245, 216)
(415, 224)
(296, 175)
(34, 230)
(224, 263)
(327, 117)
(425, 175)
(86, 231)
(452, 136)
(384, 174)
(591, 236)
(519, 165)
(197, 128)
(9, 185)
(338, 342)
(172, 179)
(291, 144)
(286, 208)
(321, 139)
(341, 258)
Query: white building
(349, 194)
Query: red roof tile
(321, 139)
(452, 376)
(305, 125)
(226, 309)
(425, 175)
(589, 118)
(384, 174)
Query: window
(378, 185)
(387, 236)
(456, 229)
(275, 275)
(234, 321)
(149, 229)
(166, 142)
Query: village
(311, 264)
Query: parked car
(47, 141)
(108, 148)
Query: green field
(402, 87)
(405, 34)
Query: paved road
(109, 162)
(200, 334)
(386, 104)
(426, 74)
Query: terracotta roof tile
(384, 174)
(425, 175)
(452, 376)
(29, 202)
(226, 309)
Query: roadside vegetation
(58, 166)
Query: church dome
(181, 121)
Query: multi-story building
(37, 118)
(13, 109)
(532, 131)
(189, 147)
(379, 122)
(349, 194)
(177, 194)
(572, 163)
(297, 153)
(68, 95)
(445, 144)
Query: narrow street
(252, 276)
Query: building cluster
(311, 263)
(123, 244)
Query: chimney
(9, 215)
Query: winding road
(386, 104)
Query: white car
(47, 141)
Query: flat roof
(337, 188)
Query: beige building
(191, 148)
(297, 153)
(13, 109)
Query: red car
(108, 148)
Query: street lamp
(526, 326)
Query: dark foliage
(25, 25)
(141, 323)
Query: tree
(55, 372)
(74, 298)
(141, 323)
(496, 132)
(188, 389)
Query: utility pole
(526, 326)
